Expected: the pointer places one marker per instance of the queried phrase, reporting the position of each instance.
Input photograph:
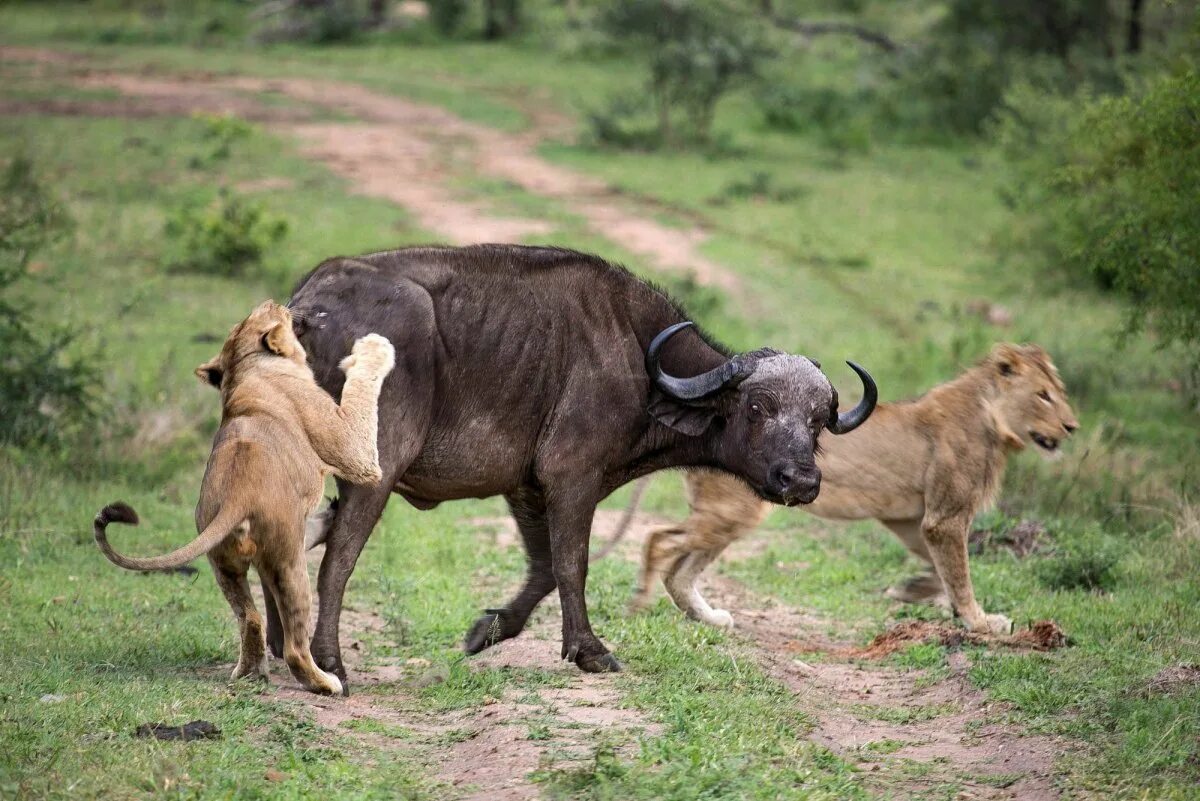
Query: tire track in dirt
(398, 150)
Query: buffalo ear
(210, 372)
(276, 340)
(689, 420)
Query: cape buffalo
(550, 377)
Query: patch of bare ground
(479, 753)
(887, 719)
(402, 151)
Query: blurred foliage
(228, 237)
(45, 391)
(696, 51)
(1107, 188)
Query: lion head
(267, 330)
(1030, 405)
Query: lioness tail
(120, 512)
(623, 525)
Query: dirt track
(413, 155)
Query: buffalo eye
(756, 411)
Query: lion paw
(373, 353)
(719, 618)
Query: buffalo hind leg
(359, 509)
(528, 509)
(570, 527)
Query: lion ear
(1007, 358)
(276, 340)
(210, 372)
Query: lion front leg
(350, 446)
(946, 540)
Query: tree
(697, 51)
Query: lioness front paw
(992, 624)
(373, 353)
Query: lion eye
(1044, 395)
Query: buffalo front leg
(528, 509)
(570, 529)
(946, 539)
(359, 508)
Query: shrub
(44, 392)
(227, 237)
(220, 133)
(842, 121)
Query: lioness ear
(1007, 358)
(211, 373)
(275, 340)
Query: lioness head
(267, 330)
(1031, 403)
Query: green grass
(871, 256)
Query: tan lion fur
(923, 468)
(280, 435)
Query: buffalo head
(765, 410)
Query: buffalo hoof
(486, 632)
(600, 663)
(333, 665)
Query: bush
(227, 237)
(44, 392)
(698, 51)
(1108, 191)
(842, 121)
(220, 133)
(447, 15)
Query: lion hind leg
(663, 547)
(288, 581)
(681, 586)
(252, 653)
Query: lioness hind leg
(926, 587)
(252, 655)
(663, 548)
(293, 598)
(681, 586)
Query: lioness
(923, 468)
(280, 434)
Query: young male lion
(923, 468)
(280, 435)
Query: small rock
(273, 775)
(52, 698)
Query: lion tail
(623, 525)
(216, 531)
